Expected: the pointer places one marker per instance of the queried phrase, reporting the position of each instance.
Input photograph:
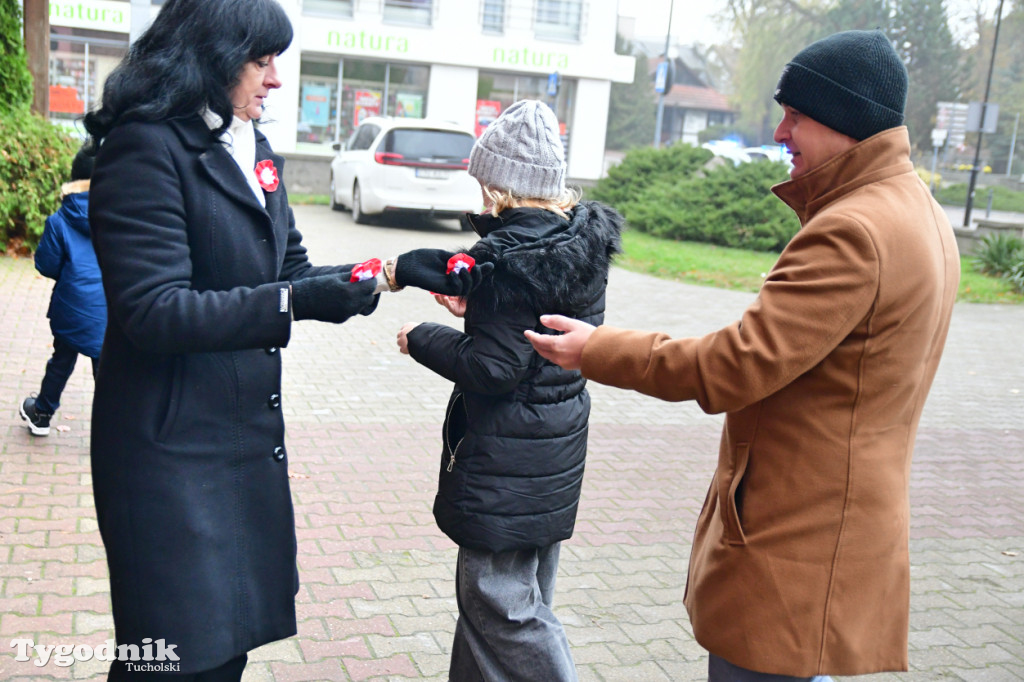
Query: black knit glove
(332, 298)
(425, 268)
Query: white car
(404, 165)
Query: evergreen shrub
(35, 156)
(674, 193)
(35, 159)
(644, 165)
(15, 79)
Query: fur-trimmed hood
(545, 261)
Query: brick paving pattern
(377, 596)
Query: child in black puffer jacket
(515, 432)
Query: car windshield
(437, 146)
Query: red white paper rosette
(366, 270)
(266, 175)
(460, 262)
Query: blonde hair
(500, 199)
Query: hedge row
(680, 193)
(35, 159)
(1003, 198)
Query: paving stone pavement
(377, 596)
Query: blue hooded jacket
(78, 310)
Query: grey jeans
(507, 631)
(721, 670)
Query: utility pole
(668, 79)
(984, 104)
(1013, 144)
(37, 49)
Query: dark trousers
(229, 672)
(58, 370)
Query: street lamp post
(977, 149)
(1013, 144)
(661, 95)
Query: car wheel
(357, 207)
(335, 206)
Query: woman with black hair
(204, 273)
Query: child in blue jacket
(78, 310)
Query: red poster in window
(64, 100)
(367, 104)
(486, 111)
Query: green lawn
(741, 270)
(301, 199)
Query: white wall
(588, 129)
(451, 94)
(282, 109)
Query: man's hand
(403, 337)
(565, 350)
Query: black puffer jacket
(515, 431)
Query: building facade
(459, 60)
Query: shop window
(318, 102)
(336, 95)
(80, 61)
(333, 8)
(492, 15)
(559, 19)
(409, 11)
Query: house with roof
(693, 103)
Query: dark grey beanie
(853, 82)
(521, 151)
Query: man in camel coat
(800, 563)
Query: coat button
(271, 350)
(278, 453)
(274, 401)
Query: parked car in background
(413, 165)
(737, 154)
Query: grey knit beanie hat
(521, 151)
(853, 82)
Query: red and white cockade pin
(366, 270)
(266, 175)
(460, 262)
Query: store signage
(65, 100)
(486, 111)
(408, 105)
(368, 42)
(525, 56)
(418, 45)
(367, 104)
(316, 105)
(98, 15)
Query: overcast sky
(693, 22)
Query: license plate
(432, 173)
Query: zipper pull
(451, 463)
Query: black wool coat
(189, 470)
(515, 431)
